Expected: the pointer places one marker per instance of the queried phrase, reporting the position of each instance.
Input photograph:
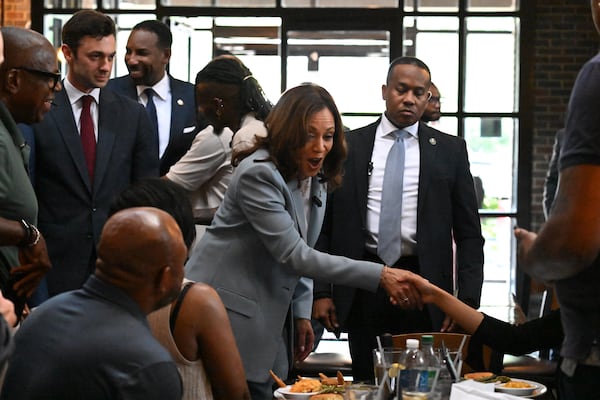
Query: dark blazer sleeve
(447, 212)
(467, 233)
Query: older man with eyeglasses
(26, 95)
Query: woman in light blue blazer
(258, 251)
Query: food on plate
(479, 375)
(305, 388)
(327, 396)
(486, 377)
(277, 379)
(287, 394)
(325, 380)
(333, 389)
(306, 385)
(337, 381)
(517, 385)
(340, 379)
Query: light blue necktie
(151, 109)
(390, 218)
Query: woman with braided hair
(234, 103)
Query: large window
(471, 46)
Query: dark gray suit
(446, 210)
(72, 211)
(183, 115)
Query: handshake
(404, 287)
(406, 290)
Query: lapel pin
(432, 141)
(180, 102)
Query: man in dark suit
(91, 146)
(436, 206)
(148, 53)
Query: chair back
(453, 341)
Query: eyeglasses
(435, 99)
(55, 76)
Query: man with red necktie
(92, 145)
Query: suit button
(94, 209)
(89, 236)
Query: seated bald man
(94, 343)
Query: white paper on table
(471, 390)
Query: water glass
(383, 362)
(386, 364)
(444, 383)
(456, 358)
(361, 392)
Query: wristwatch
(32, 235)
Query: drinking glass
(361, 392)
(444, 383)
(387, 370)
(383, 361)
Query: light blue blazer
(255, 253)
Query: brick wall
(16, 12)
(565, 39)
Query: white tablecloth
(471, 390)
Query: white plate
(539, 388)
(284, 393)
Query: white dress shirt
(74, 96)
(384, 141)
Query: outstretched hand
(397, 284)
(459, 316)
(425, 289)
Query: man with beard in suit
(168, 101)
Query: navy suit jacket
(72, 209)
(446, 209)
(183, 115)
